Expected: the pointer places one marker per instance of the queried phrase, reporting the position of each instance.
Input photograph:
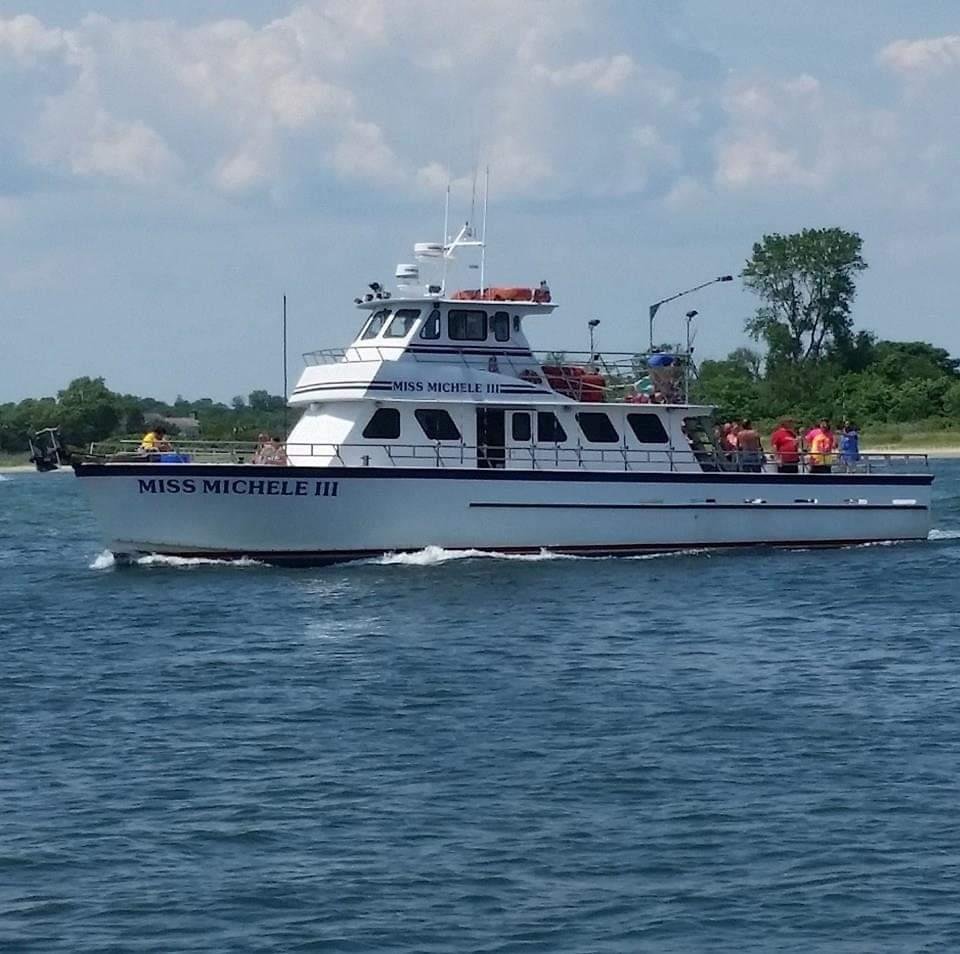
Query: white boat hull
(316, 515)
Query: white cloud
(923, 58)
(26, 39)
(796, 133)
(408, 96)
(240, 172)
(365, 90)
(606, 75)
(74, 133)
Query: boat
(48, 451)
(439, 425)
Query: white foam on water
(944, 535)
(107, 561)
(185, 563)
(3, 477)
(667, 554)
(434, 556)
(103, 561)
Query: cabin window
(467, 325)
(403, 321)
(384, 425)
(375, 323)
(648, 428)
(597, 427)
(431, 327)
(549, 429)
(521, 426)
(500, 323)
(437, 424)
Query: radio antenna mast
(446, 239)
(483, 230)
(286, 408)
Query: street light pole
(686, 371)
(592, 324)
(655, 307)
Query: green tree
(900, 361)
(806, 282)
(88, 410)
(264, 401)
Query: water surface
(746, 751)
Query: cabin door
(491, 437)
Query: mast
(446, 238)
(483, 230)
(286, 408)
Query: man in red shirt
(784, 441)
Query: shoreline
(942, 452)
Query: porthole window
(437, 424)
(648, 428)
(500, 323)
(597, 427)
(375, 323)
(384, 425)
(549, 429)
(467, 325)
(402, 324)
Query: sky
(170, 168)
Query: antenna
(473, 197)
(446, 238)
(483, 230)
(286, 409)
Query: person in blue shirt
(849, 446)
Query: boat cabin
(453, 382)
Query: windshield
(374, 325)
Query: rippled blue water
(749, 751)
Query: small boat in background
(48, 451)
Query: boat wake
(107, 561)
(944, 535)
(436, 556)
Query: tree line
(812, 362)
(87, 410)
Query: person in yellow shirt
(155, 440)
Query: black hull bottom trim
(305, 558)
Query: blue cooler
(174, 458)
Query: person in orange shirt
(822, 446)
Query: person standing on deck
(784, 441)
(821, 449)
(751, 451)
(850, 447)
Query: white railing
(528, 456)
(607, 376)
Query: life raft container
(539, 295)
(575, 382)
